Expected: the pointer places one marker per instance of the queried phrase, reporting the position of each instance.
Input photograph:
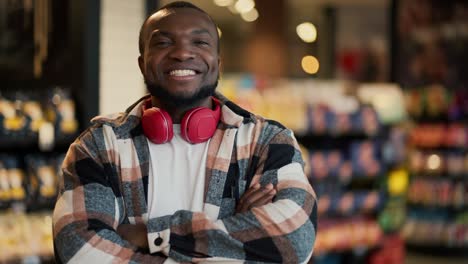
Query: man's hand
(256, 196)
(135, 234)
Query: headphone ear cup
(199, 124)
(157, 125)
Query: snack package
(16, 179)
(5, 190)
(339, 123)
(414, 102)
(13, 120)
(368, 121)
(61, 112)
(334, 162)
(455, 164)
(364, 157)
(317, 122)
(34, 114)
(318, 165)
(43, 178)
(456, 136)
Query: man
(184, 175)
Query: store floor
(416, 258)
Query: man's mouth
(182, 73)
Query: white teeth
(182, 73)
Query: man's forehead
(161, 15)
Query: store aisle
(416, 258)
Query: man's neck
(178, 112)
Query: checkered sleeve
(279, 232)
(88, 210)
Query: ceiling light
(223, 2)
(307, 32)
(310, 64)
(250, 16)
(244, 6)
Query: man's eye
(162, 43)
(201, 42)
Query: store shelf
(327, 141)
(438, 250)
(30, 143)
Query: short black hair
(172, 5)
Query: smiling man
(184, 175)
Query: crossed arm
(88, 215)
(255, 196)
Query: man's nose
(182, 52)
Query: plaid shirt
(105, 183)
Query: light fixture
(250, 16)
(244, 6)
(433, 162)
(223, 2)
(307, 32)
(310, 64)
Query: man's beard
(178, 100)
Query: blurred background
(375, 90)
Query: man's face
(180, 58)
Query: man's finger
(251, 190)
(256, 197)
(262, 200)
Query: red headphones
(197, 126)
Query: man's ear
(141, 64)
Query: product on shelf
(392, 250)
(17, 183)
(438, 192)
(350, 203)
(341, 235)
(365, 159)
(43, 181)
(61, 112)
(435, 233)
(323, 120)
(342, 130)
(13, 121)
(26, 120)
(364, 162)
(439, 135)
(25, 235)
(5, 194)
(34, 114)
(394, 149)
(436, 102)
(34, 185)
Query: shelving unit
(429, 52)
(348, 152)
(29, 161)
(29, 170)
(438, 195)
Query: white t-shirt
(176, 176)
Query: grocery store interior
(376, 92)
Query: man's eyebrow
(157, 33)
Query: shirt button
(158, 241)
